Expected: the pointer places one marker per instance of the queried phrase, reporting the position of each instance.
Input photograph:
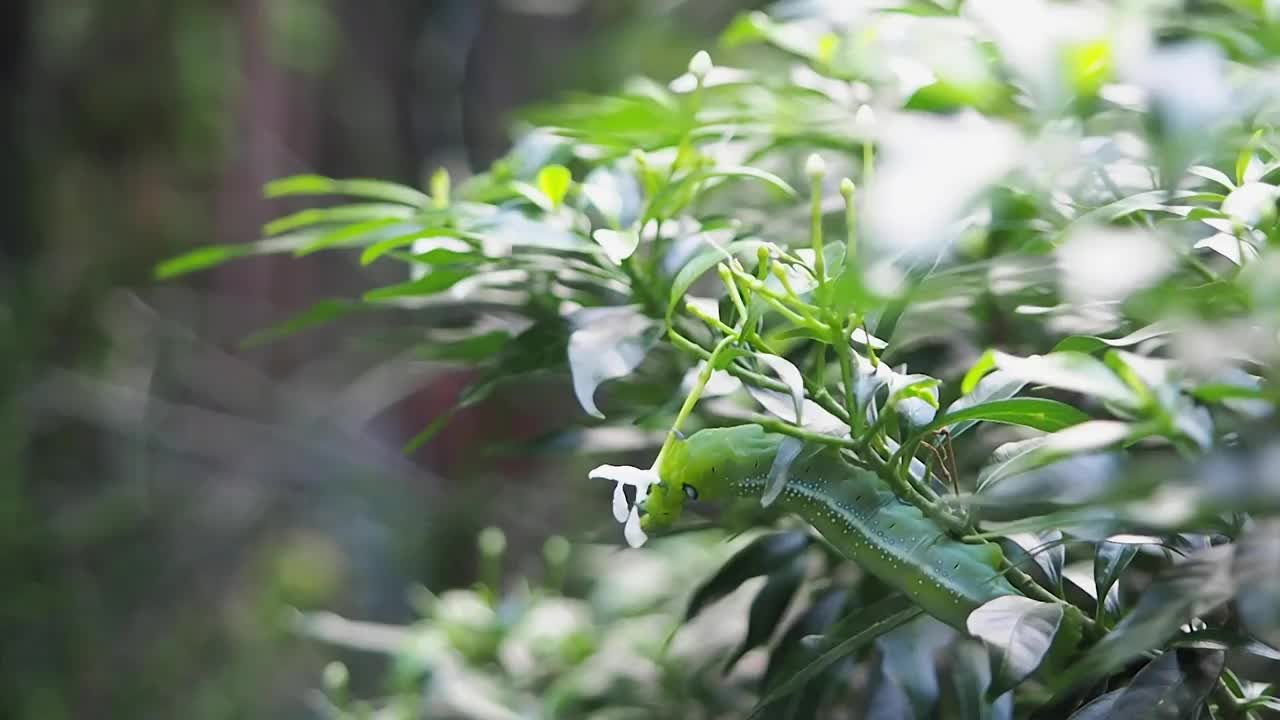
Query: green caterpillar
(853, 509)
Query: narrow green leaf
(995, 386)
(358, 187)
(1026, 455)
(985, 364)
(436, 281)
(1149, 201)
(346, 235)
(1036, 413)
(744, 171)
(386, 245)
(321, 313)
(201, 259)
(1093, 343)
(855, 632)
(1246, 154)
(1071, 371)
(213, 255)
(338, 214)
(472, 349)
(1109, 562)
(699, 265)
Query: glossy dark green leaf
(761, 556)
(1021, 634)
(768, 608)
(1109, 562)
(858, 630)
(1171, 687)
(1041, 554)
(1035, 413)
(1186, 589)
(969, 684)
(908, 656)
(1256, 567)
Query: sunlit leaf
(436, 281)
(362, 188)
(1026, 455)
(339, 214)
(1072, 371)
(991, 388)
(1036, 413)
(554, 182)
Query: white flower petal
(620, 505)
(626, 475)
(635, 536)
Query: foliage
(587, 639)
(1018, 259)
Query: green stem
(815, 229)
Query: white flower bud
(700, 65)
(815, 167)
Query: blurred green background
(165, 495)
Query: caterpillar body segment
(853, 509)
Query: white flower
(628, 513)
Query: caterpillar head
(703, 466)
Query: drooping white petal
(635, 536)
(626, 475)
(620, 505)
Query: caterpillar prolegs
(853, 509)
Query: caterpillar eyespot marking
(853, 509)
